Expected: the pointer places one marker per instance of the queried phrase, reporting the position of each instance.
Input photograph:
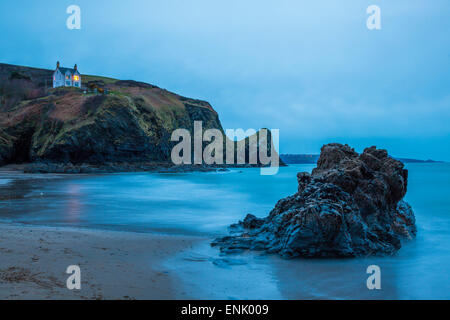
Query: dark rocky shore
(115, 167)
(351, 205)
(89, 168)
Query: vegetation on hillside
(133, 122)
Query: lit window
(76, 78)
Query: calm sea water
(193, 203)
(206, 203)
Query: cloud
(311, 69)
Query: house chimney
(57, 64)
(75, 67)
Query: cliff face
(351, 205)
(132, 123)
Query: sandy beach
(158, 233)
(114, 265)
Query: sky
(311, 69)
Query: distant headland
(313, 158)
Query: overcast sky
(309, 68)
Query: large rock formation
(131, 124)
(351, 205)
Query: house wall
(77, 83)
(58, 79)
(66, 80)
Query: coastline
(69, 168)
(192, 269)
(114, 264)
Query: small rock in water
(227, 263)
(196, 257)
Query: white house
(66, 77)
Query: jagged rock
(351, 205)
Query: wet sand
(114, 265)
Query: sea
(205, 204)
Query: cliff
(132, 123)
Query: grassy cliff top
(19, 84)
(123, 120)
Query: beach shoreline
(114, 264)
(128, 265)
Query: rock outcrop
(133, 123)
(350, 205)
(60, 127)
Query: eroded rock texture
(351, 205)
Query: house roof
(64, 70)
